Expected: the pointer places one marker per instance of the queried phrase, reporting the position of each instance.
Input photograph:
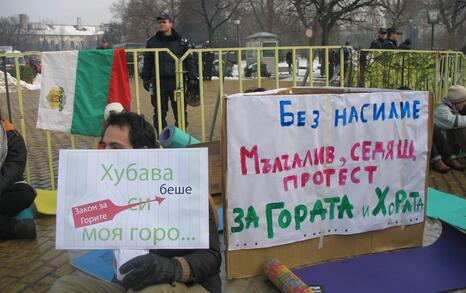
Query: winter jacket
(446, 117)
(389, 44)
(204, 263)
(377, 43)
(15, 162)
(178, 46)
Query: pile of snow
(35, 85)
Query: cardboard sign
(135, 199)
(308, 166)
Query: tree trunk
(451, 40)
(325, 35)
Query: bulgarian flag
(78, 85)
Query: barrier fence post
(19, 91)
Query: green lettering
(332, 201)
(268, 212)
(284, 218)
(381, 204)
(318, 210)
(345, 206)
(238, 220)
(251, 217)
(300, 213)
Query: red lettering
(244, 154)
(342, 176)
(366, 149)
(355, 179)
(370, 172)
(353, 151)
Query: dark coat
(204, 263)
(389, 44)
(15, 161)
(377, 43)
(178, 46)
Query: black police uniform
(377, 43)
(178, 45)
(389, 44)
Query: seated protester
(15, 194)
(449, 130)
(170, 270)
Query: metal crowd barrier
(335, 66)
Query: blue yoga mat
(438, 267)
(98, 263)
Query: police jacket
(178, 46)
(377, 43)
(389, 44)
(15, 162)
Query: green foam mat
(446, 207)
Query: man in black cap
(167, 37)
(377, 43)
(392, 39)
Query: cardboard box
(215, 165)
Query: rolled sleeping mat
(173, 137)
(285, 280)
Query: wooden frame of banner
(249, 262)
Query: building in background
(57, 37)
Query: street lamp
(237, 22)
(432, 18)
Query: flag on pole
(78, 85)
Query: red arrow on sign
(102, 211)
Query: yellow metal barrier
(264, 67)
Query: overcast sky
(59, 11)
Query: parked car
(9, 62)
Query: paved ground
(32, 266)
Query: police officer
(377, 43)
(166, 37)
(392, 39)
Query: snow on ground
(283, 70)
(35, 85)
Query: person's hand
(150, 269)
(146, 84)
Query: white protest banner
(135, 199)
(306, 166)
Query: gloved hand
(150, 269)
(146, 84)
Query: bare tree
(394, 11)
(139, 17)
(268, 13)
(328, 13)
(452, 16)
(215, 13)
(9, 31)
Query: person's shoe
(454, 164)
(25, 229)
(440, 166)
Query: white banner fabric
(306, 166)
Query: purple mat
(438, 267)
